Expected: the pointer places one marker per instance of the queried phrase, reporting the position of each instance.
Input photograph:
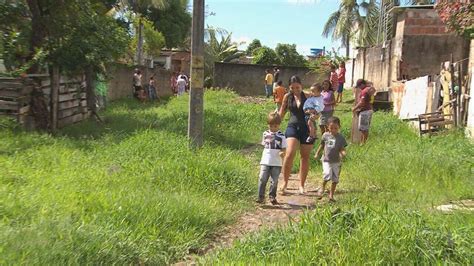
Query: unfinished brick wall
(423, 22)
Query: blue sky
(297, 22)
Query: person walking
(151, 89)
(296, 134)
(174, 83)
(278, 94)
(181, 85)
(341, 76)
(364, 110)
(329, 103)
(139, 92)
(268, 83)
(276, 77)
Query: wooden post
(54, 101)
(196, 104)
(90, 90)
(451, 70)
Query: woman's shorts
(325, 115)
(299, 132)
(340, 88)
(365, 117)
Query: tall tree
(174, 22)
(252, 46)
(265, 56)
(140, 7)
(219, 47)
(348, 22)
(288, 56)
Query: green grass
(384, 214)
(130, 192)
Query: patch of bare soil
(461, 205)
(251, 99)
(291, 205)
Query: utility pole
(196, 103)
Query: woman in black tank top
(296, 133)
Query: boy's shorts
(331, 171)
(364, 120)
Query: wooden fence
(16, 98)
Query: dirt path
(291, 205)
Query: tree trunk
(37, 31)
(54, 101)
(348, 49)
(140, 42)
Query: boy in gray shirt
(334, 145)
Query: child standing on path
(278, 94)
(274, 143)
(341, 75)
(312, 107)
(334, 145)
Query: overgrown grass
(128, 191)
(384, 213)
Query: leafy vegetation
(288, 56)
(252, 46)
(265, 56)
(128, 191)
(457, 16)
(384, 213)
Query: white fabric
(273, 143)
(415, 98)
(181, 85)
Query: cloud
(296, 2)
(243, 41)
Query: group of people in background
(143, 93)
(306, 109)
(179, 83)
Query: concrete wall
(120, 81)
(420, 45)
(246, 79)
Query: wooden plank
(69, 104)
(8, 105)
(70, 112)
(71, 119)
(12, 85)
(24, 109)
(71, 96)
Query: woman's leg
(305, 151)
(292, 146)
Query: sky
(297, 22)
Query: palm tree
(223, 50)
(348, 22)
(138, 7)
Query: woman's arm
(284, 106)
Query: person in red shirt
(333, 78)
(364, 111)
(341, 76)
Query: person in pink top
(341, 76)
(329, 103)
(333, 78)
